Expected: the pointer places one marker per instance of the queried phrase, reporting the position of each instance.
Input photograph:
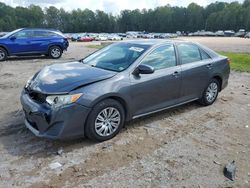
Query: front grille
(36, 96)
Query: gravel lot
(183, 147)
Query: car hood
(63, 78)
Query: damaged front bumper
(56, 123)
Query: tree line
(215, 16)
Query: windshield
(116, 57)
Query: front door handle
(175, 74)
(209, 66)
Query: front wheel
(3, 54)
(211, 92)
(105, 120)
(55, 52)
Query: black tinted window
(204, 55)
(162, 57)
(188, 53)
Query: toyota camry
(95, 96)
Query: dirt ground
(183, 147)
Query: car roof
(42, 29)
(156, 42)
(45, 29)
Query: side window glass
(43, 34)
(188, 53)
(39, 34)
(204, 55)
(24, 34)
(51, 34)
(162, 57)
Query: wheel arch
(219, 79)
(5, 48)
(118, 98)
(53, 44)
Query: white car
(247, 35)
(102, 38)
(114, 37)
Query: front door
(151, 92)
(20, 42)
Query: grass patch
(239, 61)
(95, 46)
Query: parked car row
(145, 35)
(227, 33)
(88, 37)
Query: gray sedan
(95, 96)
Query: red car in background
(85, 39)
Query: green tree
(215, 16)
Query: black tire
(55, 52)
(205, 98)
(90, 130)
(3, 54)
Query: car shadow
(17, 140)
(172, 112)
(38, 58)
(21, 58)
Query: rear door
(196, 66)
(151, 92)
(40, 41)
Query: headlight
(59, 100)
(28, 82)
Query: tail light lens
(228, 61)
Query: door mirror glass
(144, 69)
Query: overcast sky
(110, 6)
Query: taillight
(228, 60)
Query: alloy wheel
(107, 121)
(2, 55)
(211, 92)
(55, 52)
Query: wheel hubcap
(55, 52)
(211, 92)
(107, 121)
(2, 55)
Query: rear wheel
(211, 92)
(55, 52)
(105, 120)
(3, 54)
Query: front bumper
(60, 123)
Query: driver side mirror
(13, 38)
(144, 69)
